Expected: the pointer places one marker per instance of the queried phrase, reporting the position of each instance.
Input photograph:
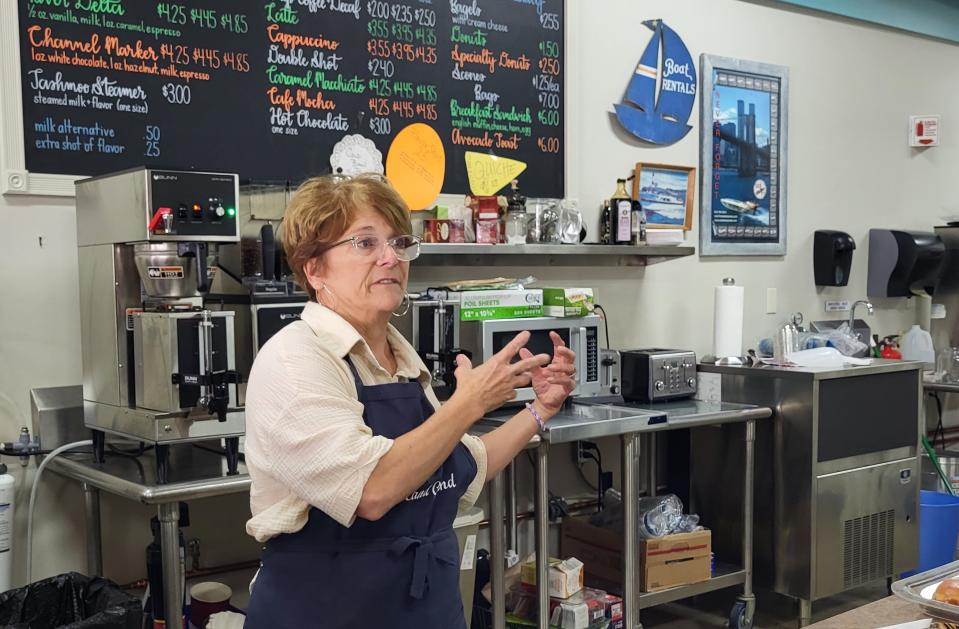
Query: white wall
(852, 89)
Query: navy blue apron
(401, 571)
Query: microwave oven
(581, 334)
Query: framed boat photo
(666, 194)
(743, 157)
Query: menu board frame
(16, 179)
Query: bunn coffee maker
(253, 280)
(157, 365)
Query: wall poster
(743, 158)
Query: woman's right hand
(494, 383)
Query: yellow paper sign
(416, 165)
(489, 173)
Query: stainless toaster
(653, 374)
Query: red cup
(206, 599)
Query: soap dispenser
(832, 257)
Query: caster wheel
(738, 617)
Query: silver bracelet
(539, 420)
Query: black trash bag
(70, 601)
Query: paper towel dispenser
(832, 257)
(903, 263)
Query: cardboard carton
(565, 577)
(567, 302)
(677, 559)
(482, 305)
(665, 562)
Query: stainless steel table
(940, 387)
(604, 418)
(194, 473)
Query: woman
(357, 470)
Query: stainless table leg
(512, 536)
(652, 482)
(542, 536)
(91, 504)
(805, 612)
(630, 453)
(497, 577)
(748, 489)
(169, 516)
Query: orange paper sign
(489, 173)
(416, 165)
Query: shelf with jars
(471, 254)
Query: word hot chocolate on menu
(266, 88)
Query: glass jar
(543, 216)
(517, 224)
(570, 222)
(947, 364)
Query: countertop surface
(591, 418)
(194, 473)
(878, 365)
(891, 610)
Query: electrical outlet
(579, 452)
(770, 301)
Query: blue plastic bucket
(938, 529)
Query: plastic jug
(916, 344)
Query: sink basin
(860, 328)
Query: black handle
(196, 250)
(268, 252)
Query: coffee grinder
(157, 364)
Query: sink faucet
(852, 311)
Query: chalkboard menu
(265, 89)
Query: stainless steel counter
(879, 365)
(940, 387)
(836, 469)
(590, 419)
(586, 421)
(194, 473)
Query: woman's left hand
(554, 382)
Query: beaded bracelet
(539, 420)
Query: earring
(405, 304)
(326, 290)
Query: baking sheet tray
(919, 589)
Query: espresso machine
(158, 365)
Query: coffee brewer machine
(254, 281)
(157, 365)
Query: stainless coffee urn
(157, 365)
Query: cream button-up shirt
(306, 442)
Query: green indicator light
(230, 211)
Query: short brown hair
(322, 209)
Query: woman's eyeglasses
(406, 248)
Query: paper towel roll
(728, 321)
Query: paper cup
(206, 599)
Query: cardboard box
(665, 562)
(482, 305)
(676, 560)
(565, 577)
(567, 302)
(599, 549)
(584, 610)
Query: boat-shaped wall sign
(662, 91)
